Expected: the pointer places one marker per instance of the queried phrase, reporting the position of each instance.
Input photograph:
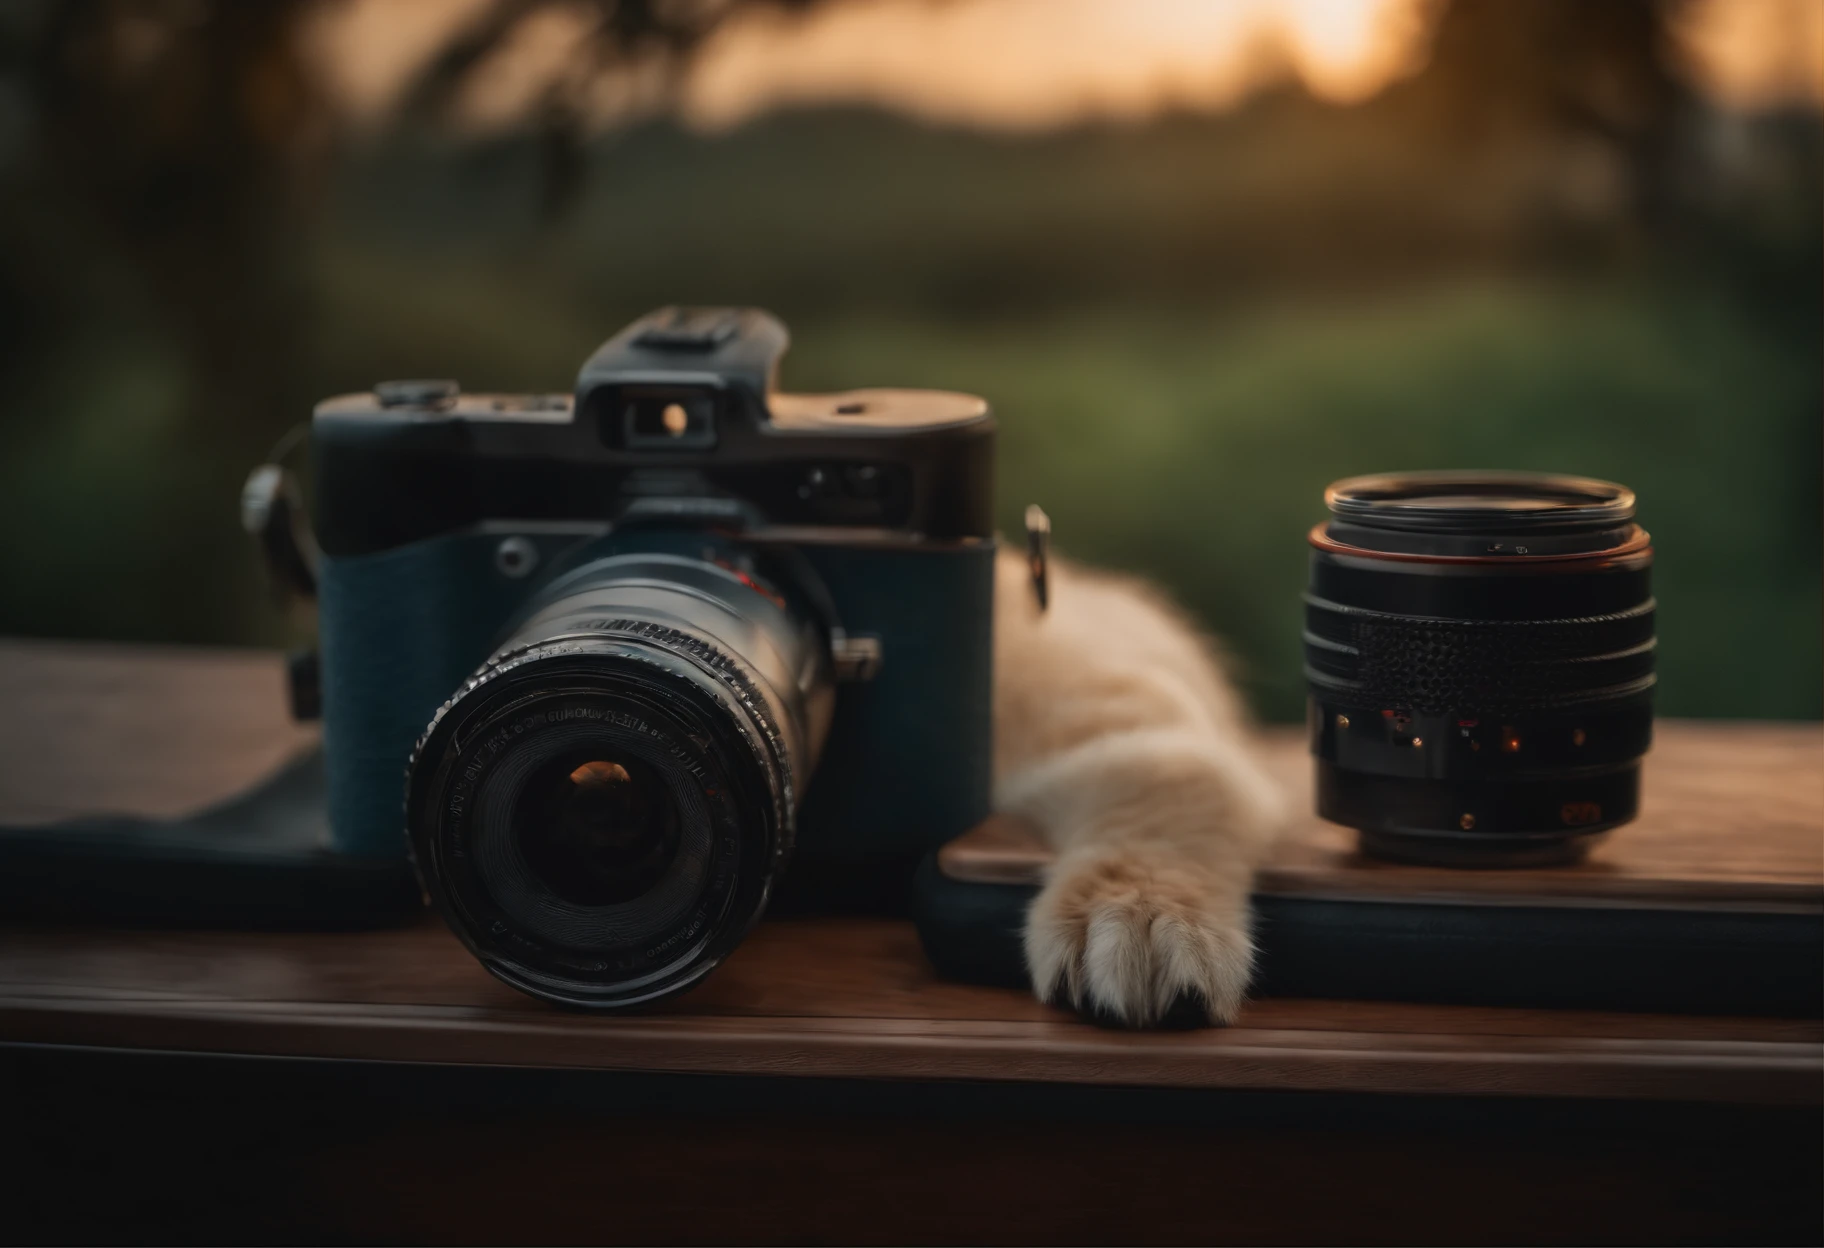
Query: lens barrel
(600, 812)
(1479, 652)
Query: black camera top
(675, 419)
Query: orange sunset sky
(1022, 64)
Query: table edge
(1737, 1072)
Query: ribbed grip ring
(1377, 660)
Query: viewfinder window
(667, 419)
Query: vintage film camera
(640, 646)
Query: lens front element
(599, 833)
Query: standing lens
(601, 810)
(1479, 650)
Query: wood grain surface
(107, 728)
(90, 729)
(842, 997)
(1732, 815)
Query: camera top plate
(680, 403)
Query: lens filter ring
(1460, 501)
(1479, 515)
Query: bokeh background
(1202, 257)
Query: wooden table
(823, 1085)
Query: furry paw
(1128, 937)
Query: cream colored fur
(1117, 735)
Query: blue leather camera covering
(909, 761)
(907, 764)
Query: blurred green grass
(1173, 324)
(1196, 450)
(1192, 447)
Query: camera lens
(600, 811)
(1479, 651)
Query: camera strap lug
(856, 657)
(272, 512)
(1038, 553)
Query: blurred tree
(184, 137)
(183, 140)
(190, 254)
(173, 138)
(1558, 71)
(623, 35)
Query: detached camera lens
(1479, 649)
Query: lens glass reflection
(597, 829)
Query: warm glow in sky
(1755, 53)
(1020, 64)
(1034, 63)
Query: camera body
(445, 520)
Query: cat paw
(1122, 937)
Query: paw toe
(1128, 953)
(1118, 963)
